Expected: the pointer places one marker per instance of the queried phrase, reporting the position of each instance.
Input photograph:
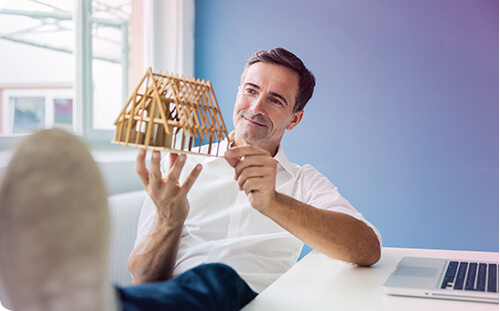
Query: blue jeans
(206, 287)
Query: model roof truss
(166, 112)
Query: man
(254, 209)
(54, 238)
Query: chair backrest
(124, 209)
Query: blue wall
(404, 119)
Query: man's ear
(295, 120)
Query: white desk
(320, 283)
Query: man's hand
(169, 197)
(154, 258)
(255, 171)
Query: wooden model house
(166, 112)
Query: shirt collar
(283, 161)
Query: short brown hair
(281, 56)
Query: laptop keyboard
(471, 276)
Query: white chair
(125, 209)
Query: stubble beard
(252, 134)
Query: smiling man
(253, 209)
(264, 106)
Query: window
(27, 110)
(46, 44)
(110, 50)
(95, 49)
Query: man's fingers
(252, 184)
(155, 178)
(231, 158)
(154, 168)
(245, 150)
(188, 183)
(140, 167)
(251, 162)
(159, 188)
(254, 173)
(234, 155)
(173, 158)
(174, 173)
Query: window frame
(49, 94)
(178, 58)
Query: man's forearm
(154, 258)
(334, 234)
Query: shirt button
(233, 227)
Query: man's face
(264, 105)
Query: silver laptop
(445, 279)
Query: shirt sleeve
(319, 192)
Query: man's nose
(258, 105)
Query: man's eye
(276, 101)
(250, 91)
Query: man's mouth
(254, 120)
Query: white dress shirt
(222, 226)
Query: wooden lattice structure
(166, 112)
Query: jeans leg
(206, 287)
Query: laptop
(445, 279)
